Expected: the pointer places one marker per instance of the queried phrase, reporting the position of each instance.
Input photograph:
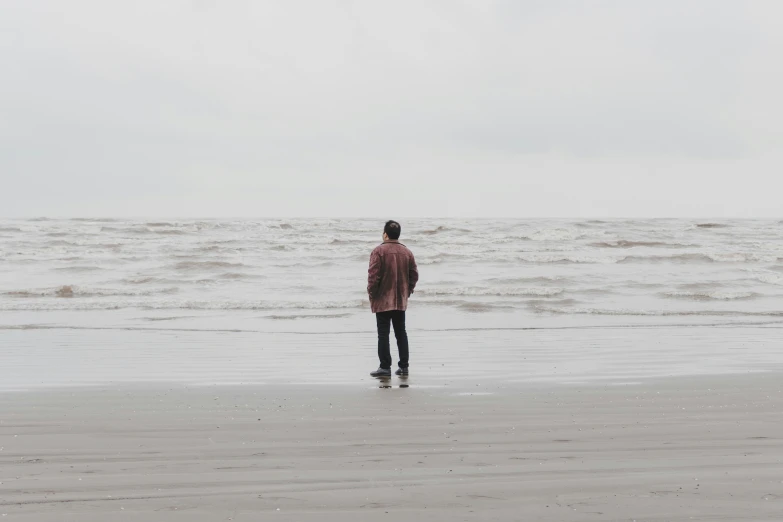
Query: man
(391, 279)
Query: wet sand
(41, 356)
(680, 448)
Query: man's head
(391, 231)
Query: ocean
(312, 269)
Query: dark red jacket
(392, 277)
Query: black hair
(392, 229)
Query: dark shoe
(381, 372)
(403, 372)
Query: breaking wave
(78, 268)
(490, 292)
(716, 295)
(125, 230)
(239, 276)
(141, 280)
(441, 229)
(769, 278)
(567, 259)
(69, 291)
(170, 232)
(633, 244)
(711, 225)
(712, 257)
(69, 304)
(556, 234)
(679, 258)
(526, 280)
(205, 265)
(428, 261)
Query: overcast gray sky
(454, 108)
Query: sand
(681, 448)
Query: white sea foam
(719, 295)
(68, 291)
(501, 291)
(569, 258)
(769, 278)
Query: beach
(704, 448)
(560, 370)
(588, 424)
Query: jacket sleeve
(374, 274)
(413, 274)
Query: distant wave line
(765, 324)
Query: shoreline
(52, 358)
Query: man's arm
(413, 275)
(374, 274)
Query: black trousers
(385, 320)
